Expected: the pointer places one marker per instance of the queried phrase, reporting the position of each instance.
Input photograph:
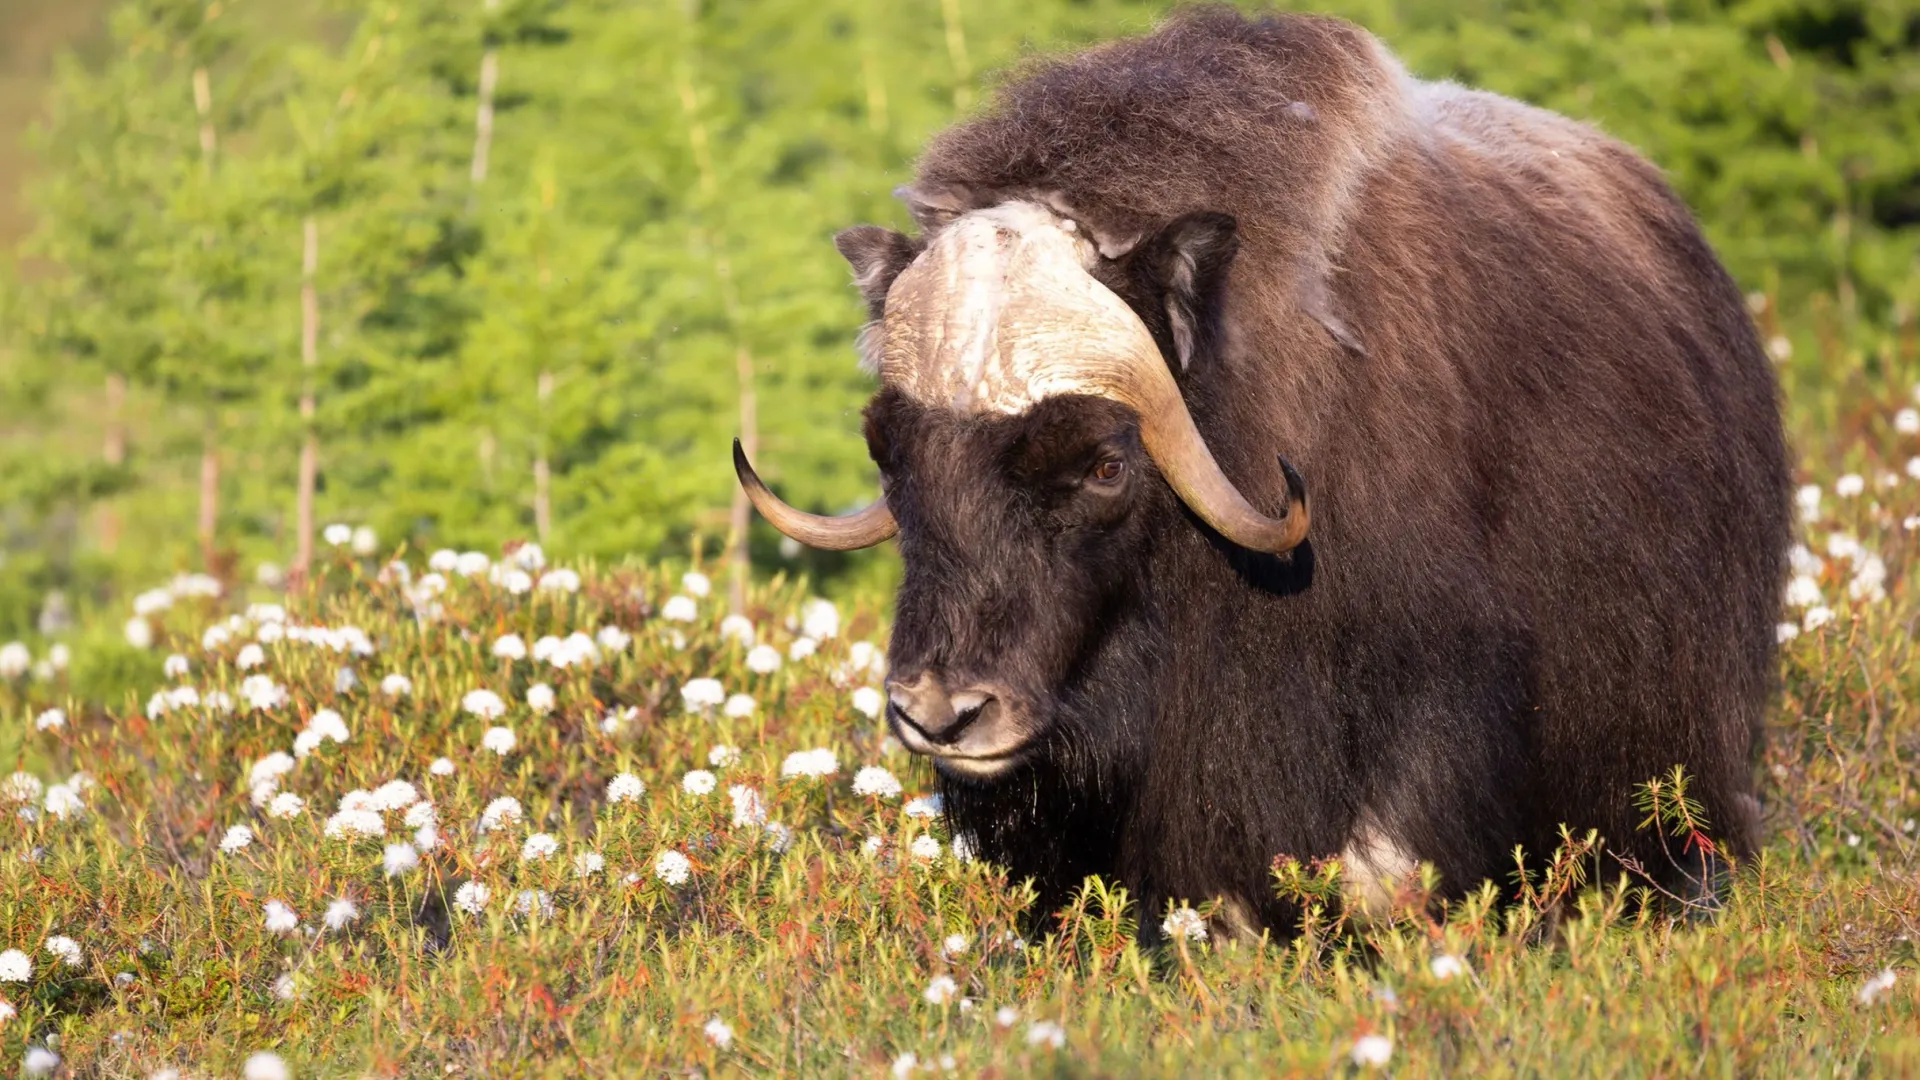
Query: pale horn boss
(1000, 313)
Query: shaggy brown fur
(1548, 478)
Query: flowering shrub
(429, 821)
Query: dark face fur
(1022, 538)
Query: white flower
(510, 647)
(718, 1033)
(472, 564)
(472, 897)
(63, 801)
(1808, 498)
(1779, 347)
(1184, 922)
(566, 581)
(15, 659)
(152, 602)
(339, 913)
(218, 701)
(399, 858)
(876, 781)
(396, 685)
(283, 988)
(337, 534)
(1871, 990)
(139, 634)
(819, 619)
(904, 1065)
(816, 763)
(737, 627)
(1869, 578)
(696, 583)
(175, 666)
(1843, 546)
(679, 609)
(779, 837)
(588, 863)
(1786, 632)
(962, 848)
(268, 633)
(238, 836)
(441, 766)
(504, 810)
(528, 556)
(15, 966)
(613, 639)
(802, 648)
(286, 805)
(1005, 1016)
(181, 697)
(66, 950)
(1446, 966)
(540, 698)
(747, 807)
(1804, 561)
(1907, 421)
(420, 813)
(699, 695)
(356, 822)
(1817, 617)
(873, 845)
(672, 867)
(59, 656)
(306, 743)
(328, 725)
(1849, 486)
(51, 720)
(763, 659)
(941, 990)
(723, 755)
(517, 582)
(251, 655)
(264, 1065)
(1802, 591)
(924, 806)
(394, 795)
(925, 848)
(500, 740)
(868, 701)
(213, 637)
(444, 561)
(625, 787)
(1371, 1051)
(272, 767)
(538, 846)
(530, 902)
(739, 705)
(955, 945)
(426, 837)
(1046, 1033)
(698, 782)
(7, 1011)
(39, 1061)
(21, 787)
(1913, 468)
(261, 692)
(280, 918)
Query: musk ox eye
(1108, 471)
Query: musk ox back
(1291, 457)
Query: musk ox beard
(1290, 457)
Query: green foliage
(658, 190)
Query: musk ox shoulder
(1290, 457)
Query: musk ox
(1293, 457)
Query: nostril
(968, 706)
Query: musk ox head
(1031, 439)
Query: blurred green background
(549, 237)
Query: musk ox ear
(1185, 265)
(933, 205)
(877, 256)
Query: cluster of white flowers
(1371, 1051)
(625, 787)
(613, 639)
(484, 704)
(449, 561)
(723, 755)
(560, 580)
(397, 859)
(396, 685)
(339, 639)
(15, 660)
(1184, 922)
(718, 1033)
(924, 806)
(15, 966)
(924, 848)
(763, 659)
(280, 919)
(698, 782)
(574, 650)
(738, 705)
(876, 781)
(471, 897)
(67, 800)
(819, 619)
(1872, 990)
(679, 609)
(50, 720)
(66, 950)
(324, 726)
(540, 698)
(737, 628)
(813, 764)
(538, 846)
(868, 702)
(702, 694)
(672, 867)
(504, 810)
(261, 692)
(941, 990)
(237, 838)
(748, 808)
(1046, 1033)
(1446, 966)
(802, 648)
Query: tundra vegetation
(583, 812)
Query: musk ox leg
(1372, 865)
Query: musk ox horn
(862, 528)
(1000, 312)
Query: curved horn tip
(1296, 487)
